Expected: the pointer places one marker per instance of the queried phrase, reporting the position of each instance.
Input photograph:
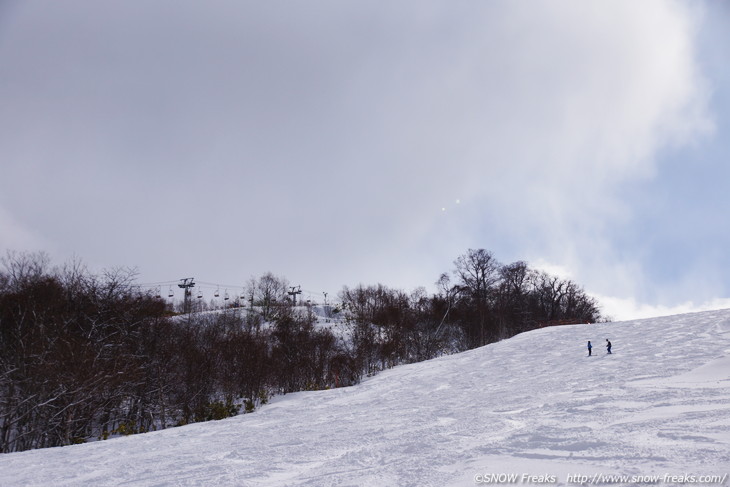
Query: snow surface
(535, 404)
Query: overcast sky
(343, 142)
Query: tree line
(85, 356)
(482, 301)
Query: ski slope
(534, 405)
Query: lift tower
(186, 284)
(293, 293)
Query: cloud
(539, 117)
(13, 235)
(623, 309)
(321, 140)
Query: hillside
(534, 404)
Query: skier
(590, 347)
(608, 346)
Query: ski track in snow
(534, 404)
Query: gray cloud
(321, 140)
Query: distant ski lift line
(202, 285)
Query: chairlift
(170, 294)
(226, 297)
(217, 293)
(158, 292)
(200, 294)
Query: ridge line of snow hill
(534, 404)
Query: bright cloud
(329, 142)
(622, 309)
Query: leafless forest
(86, 356)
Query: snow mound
(534, 405)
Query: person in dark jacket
(608, 346)
(590, 347)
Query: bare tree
(270, 293)
(513, 303)
(478, 273)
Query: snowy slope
(534, 404)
